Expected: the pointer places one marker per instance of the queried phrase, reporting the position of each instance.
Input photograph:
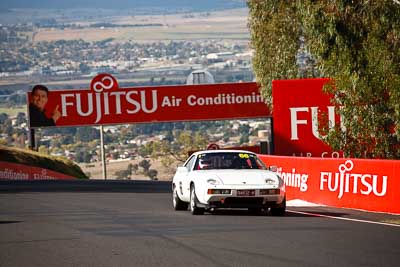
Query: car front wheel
(177, 203)
(193, 203)
(279, 210)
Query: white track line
(341, 218)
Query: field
(227, 25)
(13, 111)
(96, 171)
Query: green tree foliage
(3, 117)
(357, 44)
(275, 33)
(185, 142)
(130, 167)
(145, 164)
(87, 134)
(152, 173)
(244, 130)
(127, 173)
(21, 118)
(134, 168)
(83, 155)
(123, 174)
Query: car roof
(222, 151)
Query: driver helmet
(204, 164)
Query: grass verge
(392, 221)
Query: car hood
(235, 177)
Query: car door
(184, 182)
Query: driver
(204, 164)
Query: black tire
(279, 210)
(177, 203)
(193, 203)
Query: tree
(7, 127)
(21, 118)
(244, 129)
(123, 174)
(185, 142)
(244, 139)
(357, 45)
(135, 168)
(3, 117)
(115, 154)
(130, 167)
(145, 164)
(87, 134)
(84, 68)
(152, 173)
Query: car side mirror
(273, 168)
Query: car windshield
(228, 160)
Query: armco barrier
(372, 185)
(14, 171)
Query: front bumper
(234, 201)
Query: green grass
(392, 221)
(36, 159)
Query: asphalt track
(131, 223)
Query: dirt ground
(231, 24)
(96, 171)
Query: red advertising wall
(371, 185)
(299, 106)
(14, 171)
(106, 103)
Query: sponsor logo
(305, 121)
(11, 174)
(27, 174)
(295, 121)
(102, 99)
(106, 99)
(345, 181)
(293, 179)
(43, 176)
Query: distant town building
(221, 55)
(200, 77)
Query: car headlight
(213, 181)
(270, 181)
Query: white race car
(214, 179)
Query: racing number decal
(244, 156)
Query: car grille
(239, 202)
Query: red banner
(106, 103)
(371, 185)
(298, 108)
(14, 171)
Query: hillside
(35, 159)
(126, 4)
